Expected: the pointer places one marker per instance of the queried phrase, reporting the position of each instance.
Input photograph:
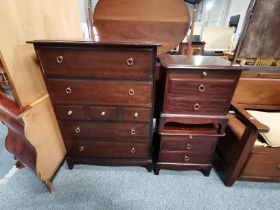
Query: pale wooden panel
(27, 20)
(42, 130)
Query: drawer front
(69, 112)
(213, 89)
(97, 62)
(101, 92)
(183, 143)
(80, 129)
(262, 165)
(196, 106)
(136, 114)
(103, 113)
(184, 157)
(107, 149)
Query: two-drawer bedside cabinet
(103, 98)
(197, 95)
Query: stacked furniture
(197, 95)
(103, 96)
(250, 150)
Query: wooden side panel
(42, 130)
(27, 20)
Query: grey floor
(95, 187)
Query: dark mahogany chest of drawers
(197, 96)
(102, 94)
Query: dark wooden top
(93, 42)
(196, 62)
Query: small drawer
(184, 157)
(97, 62)
(103, 113)
(136, 114)
(107, 149)
(178, 105)
(101, 92)
(69, 112)
(193, 144)
(210, 89)
(80, 129)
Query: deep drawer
(69, 112)
(184, 157)
(103, 113)
(199, 88)
(79, 129)
(136, 114)
(107, 149)
(112, 63)
(100, 92)
(178, 105)
(194, 144)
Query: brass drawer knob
(68, 90)
(70, 112)
(204, 74)
(135, 115)
(132, 150)
(196, 107)
(201, 88)
(103, 113)
(59, 59)
(131, 92)
(278, 166)
(189, 147)
(77, 130)
(133, 132)
(190, 136)
(186, 158)
(129, 61)
(81, 149)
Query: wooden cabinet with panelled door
(102, 94)
(197, 96)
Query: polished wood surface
(162, 21)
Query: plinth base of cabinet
(147, 163)
(204, 168)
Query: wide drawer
(136, 114)
(69, 112)
(194, 144)
(79, 129)
(185, 157)
(103, 113)
(107, 149)
(97, 62)
(179, 105)
(100, 92)
(199, 88)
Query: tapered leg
(20, 165)
(69, 164)
(157, 169)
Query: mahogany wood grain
(185, 157)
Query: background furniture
(197, 48)
(103, 97)
(238, 157)
(197, 95)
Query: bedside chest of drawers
(102, 95)
(197, 96)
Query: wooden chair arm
(248, 118)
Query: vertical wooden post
(190, 51)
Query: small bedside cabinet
(197, 96)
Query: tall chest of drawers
(197, 95)
(102, 95)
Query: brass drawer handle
(196, 107)
(129, 61)
(204, 74)
(201, 88)
(70, 112)
(131, 92)
(135, 115)
(77, 130)
(186, 158)
(68, 90)
(81, 149)
(133, 132)
(103, 113)
(189, 147)
(59, 59)
(190, 136)
(132, 150)
(278, 166)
